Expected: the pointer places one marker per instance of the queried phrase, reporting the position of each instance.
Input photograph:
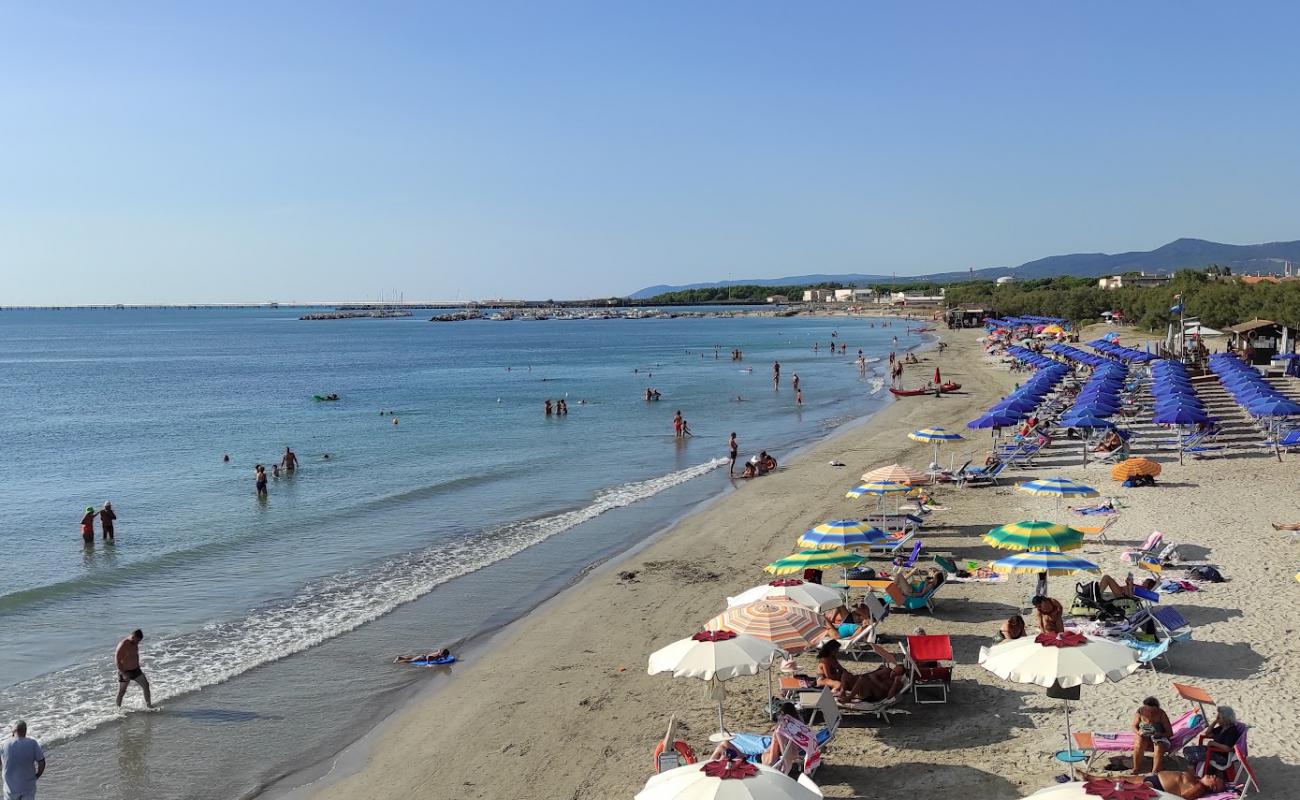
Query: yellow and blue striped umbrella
(1035, 535)
(814, 559)
(937, 436)
(1049, 561)
(841, 533)
(879, 488)
(1056, 487)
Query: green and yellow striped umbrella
(814, 559)
(1035, 535)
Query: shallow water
(410, 535)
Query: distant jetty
(377, 313)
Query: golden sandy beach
(561, 706)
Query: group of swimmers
(289, 463)
(651, 393)
(560, 408)
(680, 428)
(106, 518)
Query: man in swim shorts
(1187, 785)
(127, 659)
(106, 517)
(290, 460)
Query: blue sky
(185, 152)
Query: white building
(777, 299)
(843, 295)
(818, 295)
(1004, 280)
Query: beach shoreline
(319, 779)
(302, 780)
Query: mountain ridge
(1178, 254)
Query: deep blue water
(139, 407)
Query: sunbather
(873, 686)
(1152, 730)
(436, 655)
(1187, 785)
(1050, 614)
(788, 725)
(725, 751)
(1118, 590)
(1012, 628)
(1109, 442)
(846, 621)
(1286, 526)
(919, 581)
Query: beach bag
(862, 574)
(1205, 573)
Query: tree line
(1217, 300)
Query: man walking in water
(732, 449)
(127, 659)
(794, 380)
(106, 517)
(23, 763)
(776, 374)
(290, 460)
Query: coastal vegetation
(1217, 298)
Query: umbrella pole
(1069, 741)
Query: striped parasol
(937, 436)
(896, 473)
(1130, 467)
(814, 559)
(1035, 535)
(841, 533)
(879, 488)
(786, 624)
(1049, 561)
(1056, 487)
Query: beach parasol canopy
(1049, 561)
(1066, 660)
(814, 559)
(896, 473)
(880, 488)
(1131, 467)
(714, 657)
(785, 624)
(1056, 487)
(1098, 789)
(812, 596)
(937, 436)
(841, 533)
(1035, 535)
(727, 780)
(995, 419)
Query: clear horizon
(176, 155)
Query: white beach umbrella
(723, 780)
(714, 657)
(1076, 790)
(809, 595)
(1068, 660)
(1059, 662)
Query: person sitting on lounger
(918, 582)
(1219, 740)
(787, 721)
(436, 655)
(1050, 614)
(1013, 628)
(1111, 441)
(846, 621)
(1187, 785)
(1151, 731)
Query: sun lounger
(1097, 530)
(1186, 728)
(1149, 548)
(982, 477)
(895, 522)
(893, 544)
(881, 708)
(1171, 623)
(911, 602)
(931, 651)
(1150, 652)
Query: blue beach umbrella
(937, 436)
(840, 534)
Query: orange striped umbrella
(787, 625)
(897, 473)
(1134, 466)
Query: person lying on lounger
(725, 751)
(1119, 590)
(919, 581)
(1187, 785)
(436, 655)
(1109, 442)
(1013, 628)
(1286, 526)
(874, 686)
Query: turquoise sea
(270, 624)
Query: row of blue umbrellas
(1075, 354)
(1099, 398)
(1114, 350)
(1249, 388)
(1027, 397)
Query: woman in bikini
(873, 686)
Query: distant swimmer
(259, 478)
(290, 460)
(225, 459)
(325, 457)
(127, 660)
(106, 518)
(394, 420)
(88, 526)
(776, 373)
(794, 380)
(732, 449)
(546, 407)
(436, 655)
(686, 429)
(798, 398)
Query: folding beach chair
(1186, 727)
(905, 523)
(1150, 547)
(930, 661)
(893, 544)
(1171, 623)
(1098, 530)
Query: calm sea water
(268, 623)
